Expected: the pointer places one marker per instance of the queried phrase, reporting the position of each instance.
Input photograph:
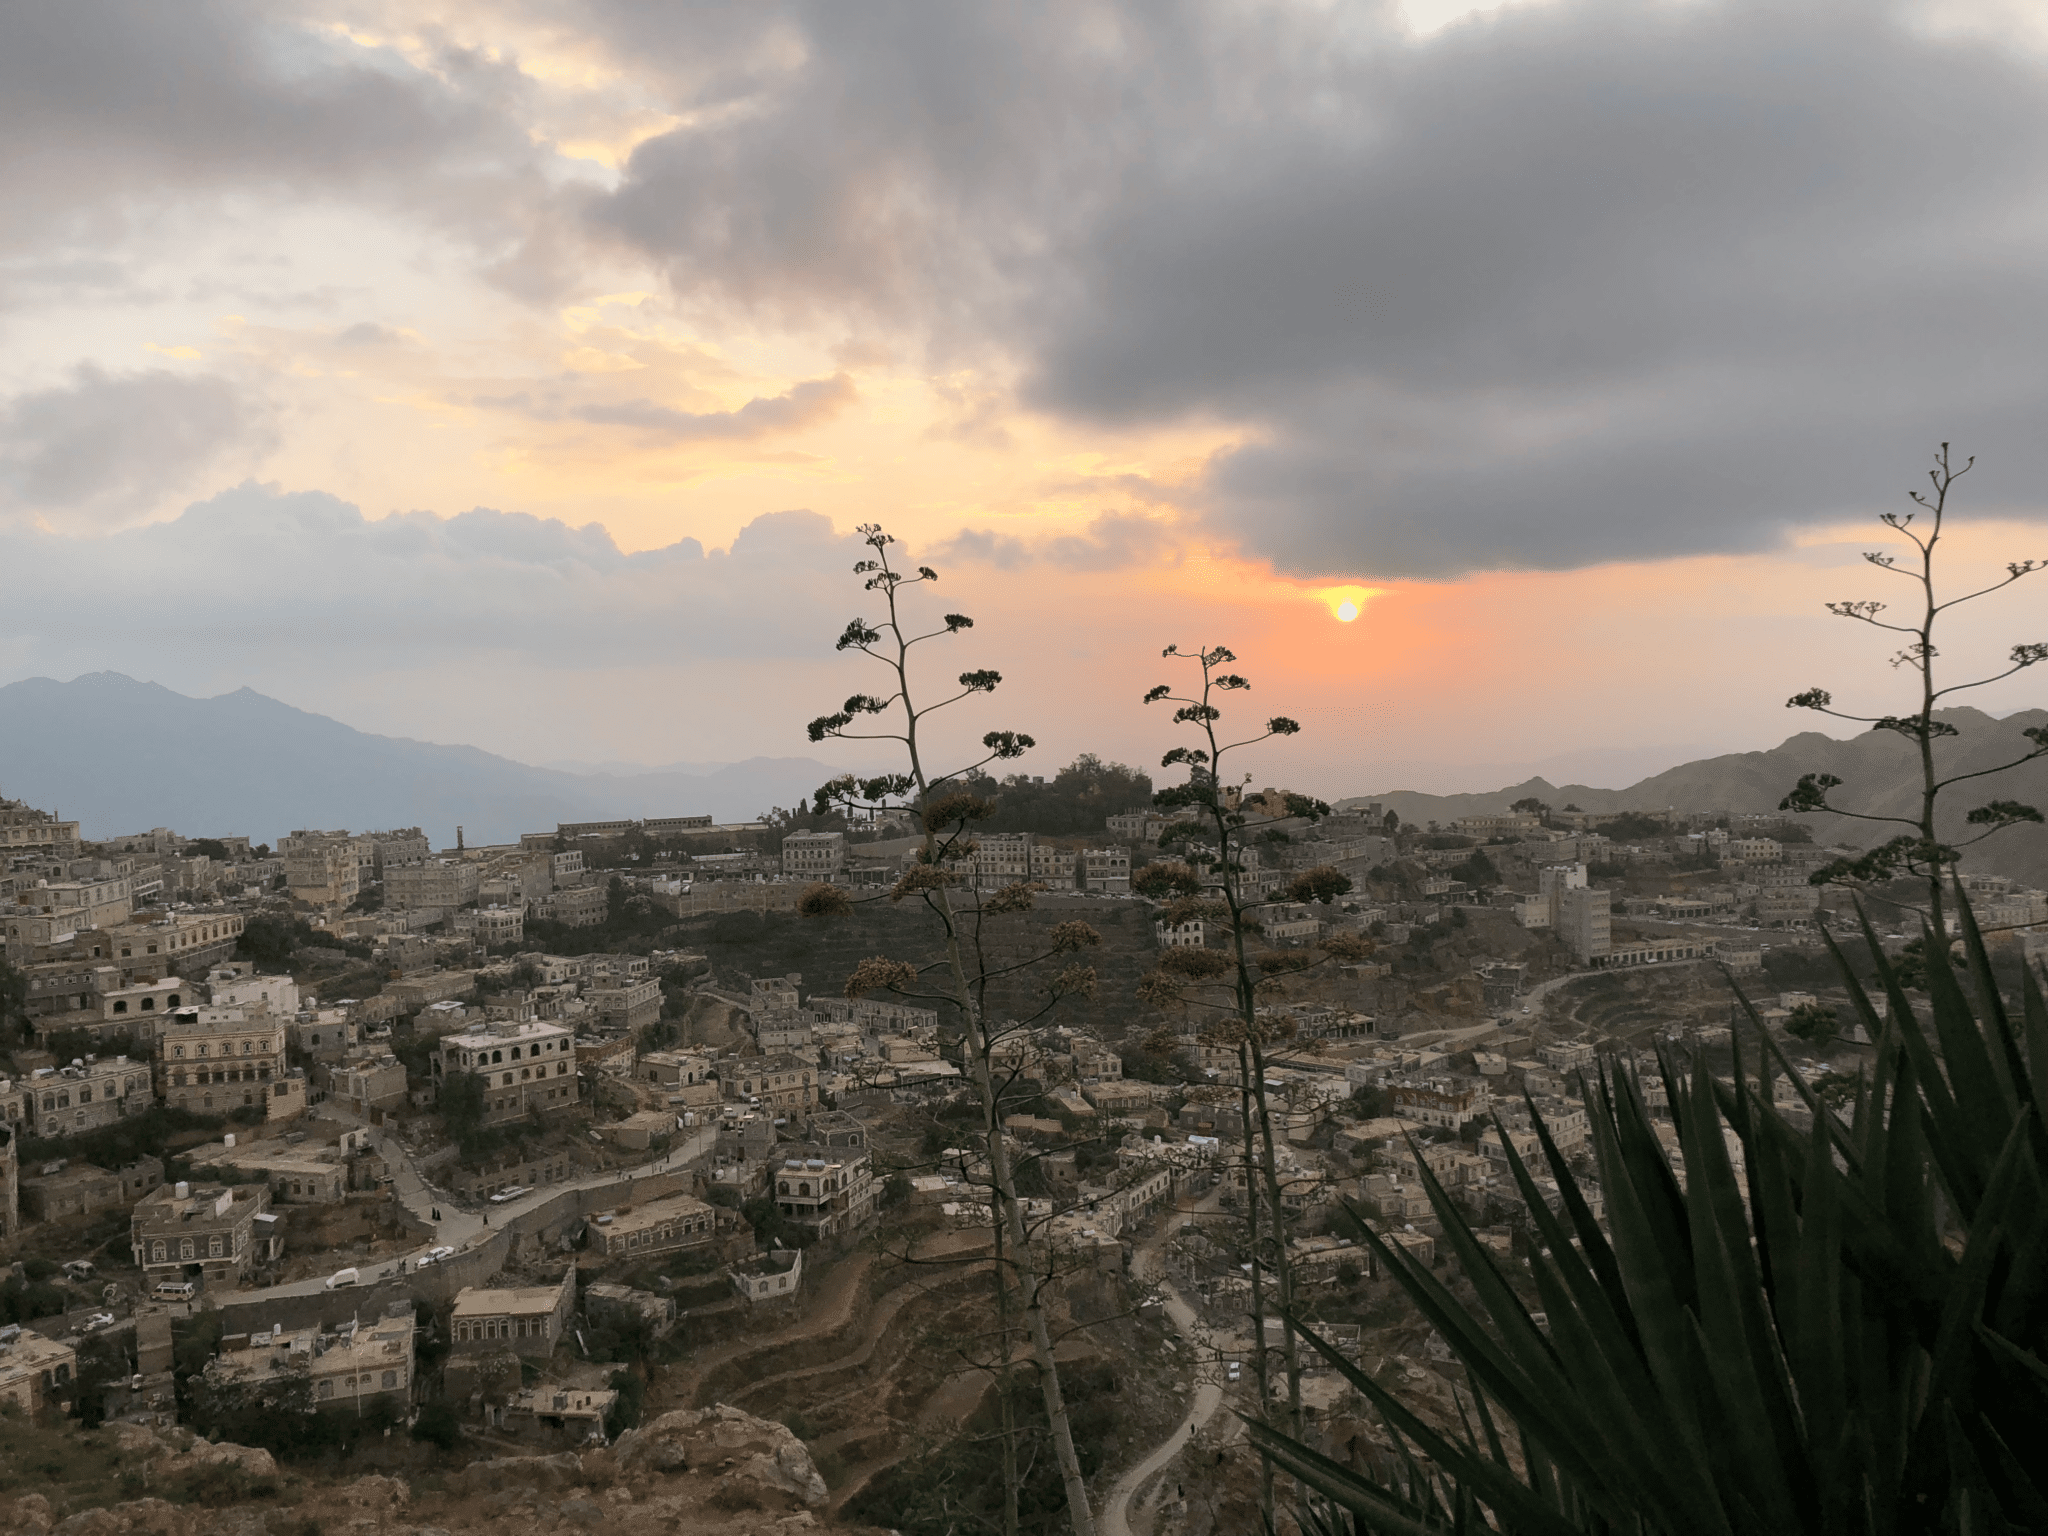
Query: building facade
(525, 1066)
(218, 1234)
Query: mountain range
(119, 756)
(1879, 772)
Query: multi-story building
(438, 883)
(212, 1059)
(373, 1080)
(92, 1092)
(577, 906)
(220, 1234)
(182, 941)
(625, 1002)
(813, 855)
(527, 1319)
(1451, 1103)
(660, 1226)
(35, 1372)
(613, 1055)
(785, 1083)
(326, 869)
(24, 829)
(525, 1066)
(673, 1069)
(826, 1190)
(355, 1368)
(240, 986)
(1055, 866)
(493, 926)
(397, 850)
(1107, 870)
(82, 1188)
(1585, 922)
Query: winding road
(1114, 1519)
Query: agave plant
(1843, 1334)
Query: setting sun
(1347, 611)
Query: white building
(524, 1066)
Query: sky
(518, 374)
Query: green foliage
(895, 1190)
(23, 1301)
(1478, 871)
(207, 848)
(461, 1103)
(270, 939)
(13, 1004)
(1324, 884)
(772, 1229)
(1634, 827)
(1845, 1337)
(1073, 803)
(625, 1414)
(1815, 1023)
(39, 1268)
(151, 1133)
(438, 1425)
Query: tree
(1530, 805)
(1920, 850)
(948, 813)
(1209, 886)
(1815, 1023)
(1324, 884)
(1840, 1331)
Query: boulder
(30, 1515)
(547, 1473)
(375, 1491)
(724, 1442)
(90, 1522)
(253, 1461)
(151, 1517)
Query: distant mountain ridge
(121, 756)
(1879, 773)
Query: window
(185, 1249)
(157, 1254)
(327, 1389)
(391, 1378)
(120, 1005)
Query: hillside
(123, 756)
(1879, 772)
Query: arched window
(120, 1005)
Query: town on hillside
(353, 1149)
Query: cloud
(304, 578)
(139, 112)
(1112, 541)
(806, 404)
(108, 448)
(1574, 283)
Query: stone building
(214, 1059)
(527, 1319)
(525, 1066)
(35, 1372)
(826, 1190)
(660, 1226)
(216, 1233)
(354, 1368)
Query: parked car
(98, 1321)
(435, 1256)
(176, 1290)
(342, 1277)
(1234, 1371)
(78, 1269)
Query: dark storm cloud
(106, 448)
(113, 109)
(1582, 282)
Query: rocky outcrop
(547, 1474)
(725, 1444)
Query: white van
(342, 1277)
(176, 1290)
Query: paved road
(1115, 1517)
(458, 1228)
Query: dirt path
(871, 1336)
(831, 1310)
